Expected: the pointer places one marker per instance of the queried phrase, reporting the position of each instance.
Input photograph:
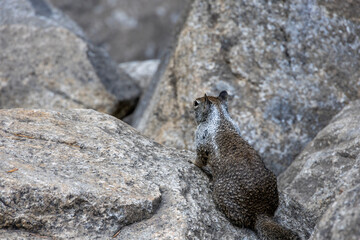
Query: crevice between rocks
(286, 39)
(4, 203)
(116, 82)
(145, 100)
(125, 108)
(286, 50)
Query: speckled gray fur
(243, 188)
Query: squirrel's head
(204, 105)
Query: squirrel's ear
(223, 96)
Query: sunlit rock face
(85, 174)
(289, 66)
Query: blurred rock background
(128, 29)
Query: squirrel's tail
(268, 229)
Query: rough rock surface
(141, 71)
(341, 221)
(85, 174)
(46, 62)
(289, 66)
(129, 30)
(322, 184)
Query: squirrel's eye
(196, 103)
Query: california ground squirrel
(243, 188)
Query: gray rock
(346, 8)
(35, 13)
(129, 30)
(289, 66)
(141, 71)
(45, 62)
(84, 174)
(20, 235)
(322, 184)
(341, 220)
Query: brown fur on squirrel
(243, 188)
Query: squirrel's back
(243, 188)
